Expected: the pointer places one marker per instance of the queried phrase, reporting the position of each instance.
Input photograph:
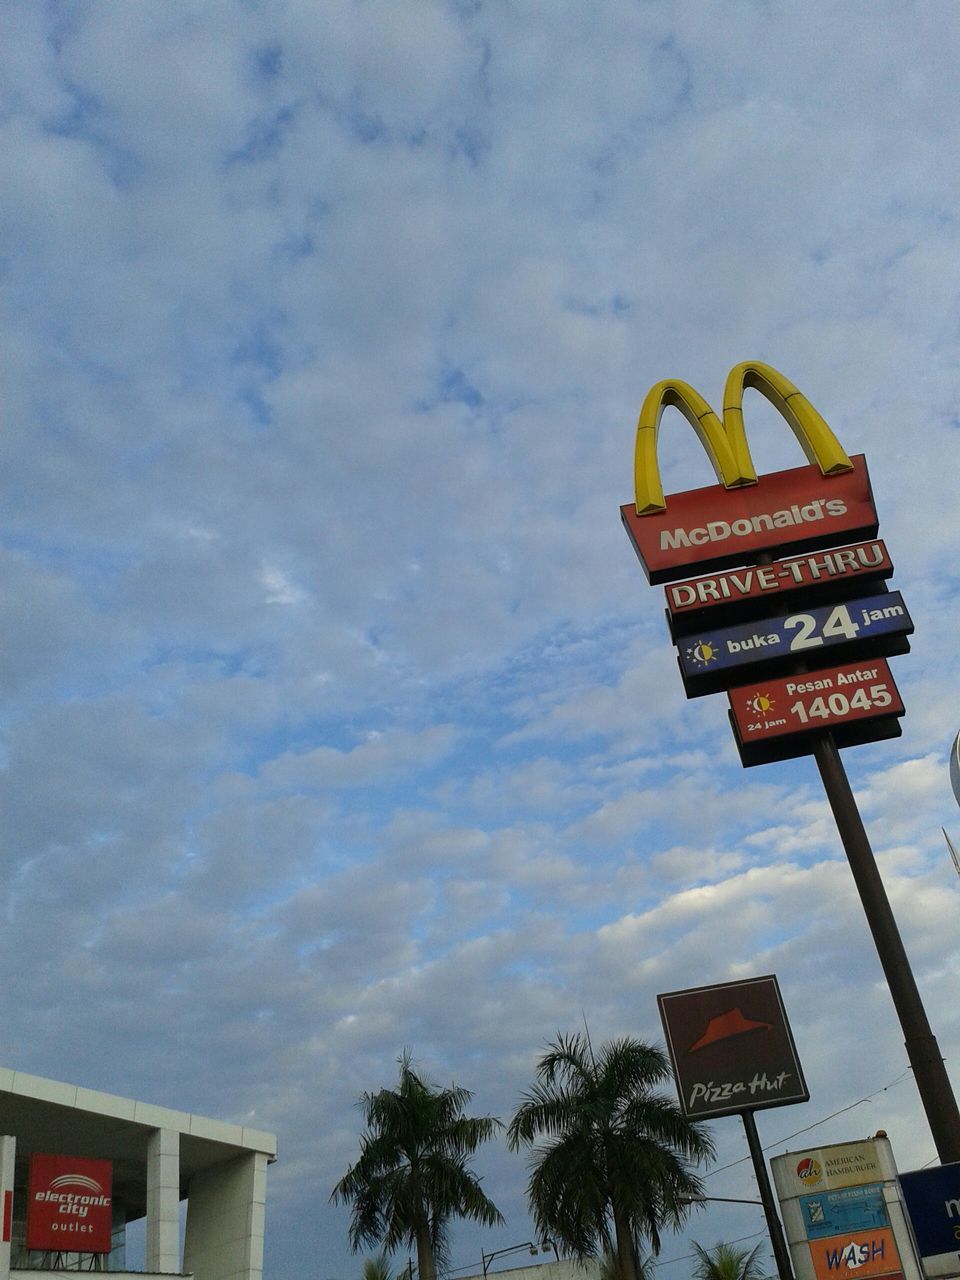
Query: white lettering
(720, 530)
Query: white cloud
(338, 713)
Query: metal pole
(780, 1251)
(933, 1083)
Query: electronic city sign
(793, 574)
(69, 1204)
(876, 626)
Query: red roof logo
(727, 1025)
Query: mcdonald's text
(794, 510)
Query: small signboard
(731, 1048)
(932, 1197)
(857, 1254)
(786, 511)
(873, 626)
(833, 1213)
(754, 591)
(69, 1204)
(858, 701)
(841, 1164)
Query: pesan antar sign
(69, 1204)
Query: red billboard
(755, 590)
(70, 1204)
(715, 527)
(838, 698)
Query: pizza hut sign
(70, 1204)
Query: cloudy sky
(338, 716)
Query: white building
(159, 1157)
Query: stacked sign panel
(763, 632)
(843, 1213)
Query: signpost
(757, 627)
(733, 1053)
(843, 1213)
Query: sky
(338, 717)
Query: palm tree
(724, 1262)
(377, 1268)
(617, 1166)
(412, 1175)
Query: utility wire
(777, 1141)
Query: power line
(777, 1141)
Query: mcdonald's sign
(825, 504)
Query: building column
(163, 1201)
(8, 1149)
(225, 1220)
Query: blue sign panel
(932, 1198)
(834, 1213)
(714, 660)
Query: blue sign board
(932, 1197)
(712, 660)
(834, 1213)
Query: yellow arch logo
(726, 441)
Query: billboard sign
(69, 1204)
(731, 1048)
(874, 626)
(857, 1254)
(714, 527)
(932, 1197)
(838, 698)
(842, 1164)
(834, 1213)
(755, 590)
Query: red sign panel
(731, 1048)
(70, 1204)
(856, 1254)
(806, 573)
(814, 700)
(794, 510)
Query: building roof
(49, 1117)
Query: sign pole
(780, 1252)
(933, 1083)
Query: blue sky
(338, 717)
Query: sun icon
(760, 704)
(702, 653)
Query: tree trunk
(426, 1267)
(626, 1255)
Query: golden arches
(726, 442)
